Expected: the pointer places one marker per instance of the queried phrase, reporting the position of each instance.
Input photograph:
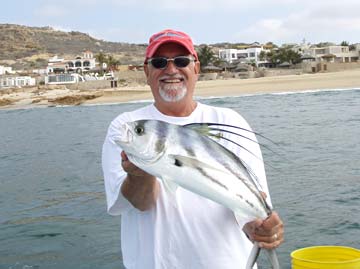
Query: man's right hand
(130, 168)
(139, 188)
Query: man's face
(172, 85)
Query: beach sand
(236, 87)
(348, 79)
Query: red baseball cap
(168, 36)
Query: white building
(246, 55)
(39, 71)
(65, 78)
(78, 65)
(55, 60)
(4, 70)
(16, 82)
(340, 54)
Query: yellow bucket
(326, 257)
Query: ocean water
(52, 201)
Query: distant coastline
(27, 98)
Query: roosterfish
(191, 157)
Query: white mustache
(171, 77)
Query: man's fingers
(130, 168)
(273, 222)
(278, 236)
(271, 245)
(124, 156)
(251, 227)
(271, 232)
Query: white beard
(172, 93)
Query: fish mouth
(125, 139)
(124, 136)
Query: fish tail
(254, 254)
(273, 258)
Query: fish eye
(139, 130)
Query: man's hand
(130, 168)
(269, 232)
(139, 188)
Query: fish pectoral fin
(187, 161)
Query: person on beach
(198, 233)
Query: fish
(192, 157)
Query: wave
(315, 91)
(276, 93)
(123, 102)
(196, 97)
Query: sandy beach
(23, 98)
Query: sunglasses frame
(190, 58)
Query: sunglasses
(179, 61)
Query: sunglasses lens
(181, 62)
(159, 62)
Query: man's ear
(146, 71)
(197, 67)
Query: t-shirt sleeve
(114, 174)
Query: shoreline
(25, 98)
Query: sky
(206, 21)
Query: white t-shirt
(199, 233)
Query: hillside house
(54, 79)
(80, 64)
(5, 70)
(16, 82)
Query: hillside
(22, 46)
(25, 47)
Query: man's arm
(139, 188)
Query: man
(197, 233)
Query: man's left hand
(269, 232)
